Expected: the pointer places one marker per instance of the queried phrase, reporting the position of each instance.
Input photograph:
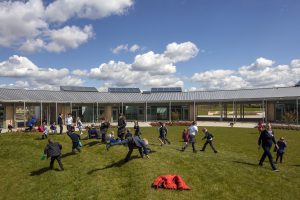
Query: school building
(159, 104)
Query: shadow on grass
(41, 171)
(295, 165)
(245, 163)
(90, 144)
(119, 163)
(68, 154)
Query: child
(75, 140)
(53, 128)
(163, 131)
(103, 129)
(137, 130)
(53, 150)
(185, 137)
(79, 125)
(209, 137)
(43, 129)
(281, 143)
(9, 126)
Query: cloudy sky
(193, 44)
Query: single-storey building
(160, 104)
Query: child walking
(163, 131)
(281, 143)
(209, 137)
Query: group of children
(189, 134)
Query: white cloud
(20, 20)
(63, 10)
(28, 25)
(68, 37)
(32, 76)
(125, 48)
(153, 63)
(134, 48)
(119, 48)
(181, 52)
(261, 73)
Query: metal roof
(20, 95)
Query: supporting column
(41, 113)
(146, 117)
(170, 112)
(97, 113)
(263, 111)
(233, 111)
(56, 116)
(14, 111)
(194, 111)
(266, 111)
(93, 115)
(24, 115)
(122, 108)
(297, 117)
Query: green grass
(97, 174)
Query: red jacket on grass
(170, 181)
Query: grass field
(95, 173)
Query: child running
(53, 150)
(185, 137)
(192, 131)
(75, 140)
(281, 143)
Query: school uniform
(209, 137)
(163, 131)
(75, 141)
(280, 151)
(53, 150)
(60, 123)
(121, 127)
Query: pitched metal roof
(21, 95)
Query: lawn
(96, 173)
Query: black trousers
(211, 145)
(130, 152)
(58, 158)
(269, 154)
(279, 155)
(61, 128)
(69, 127)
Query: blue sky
(194, 44)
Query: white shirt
(193, 129)
(69, 120)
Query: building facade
(17, 106)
